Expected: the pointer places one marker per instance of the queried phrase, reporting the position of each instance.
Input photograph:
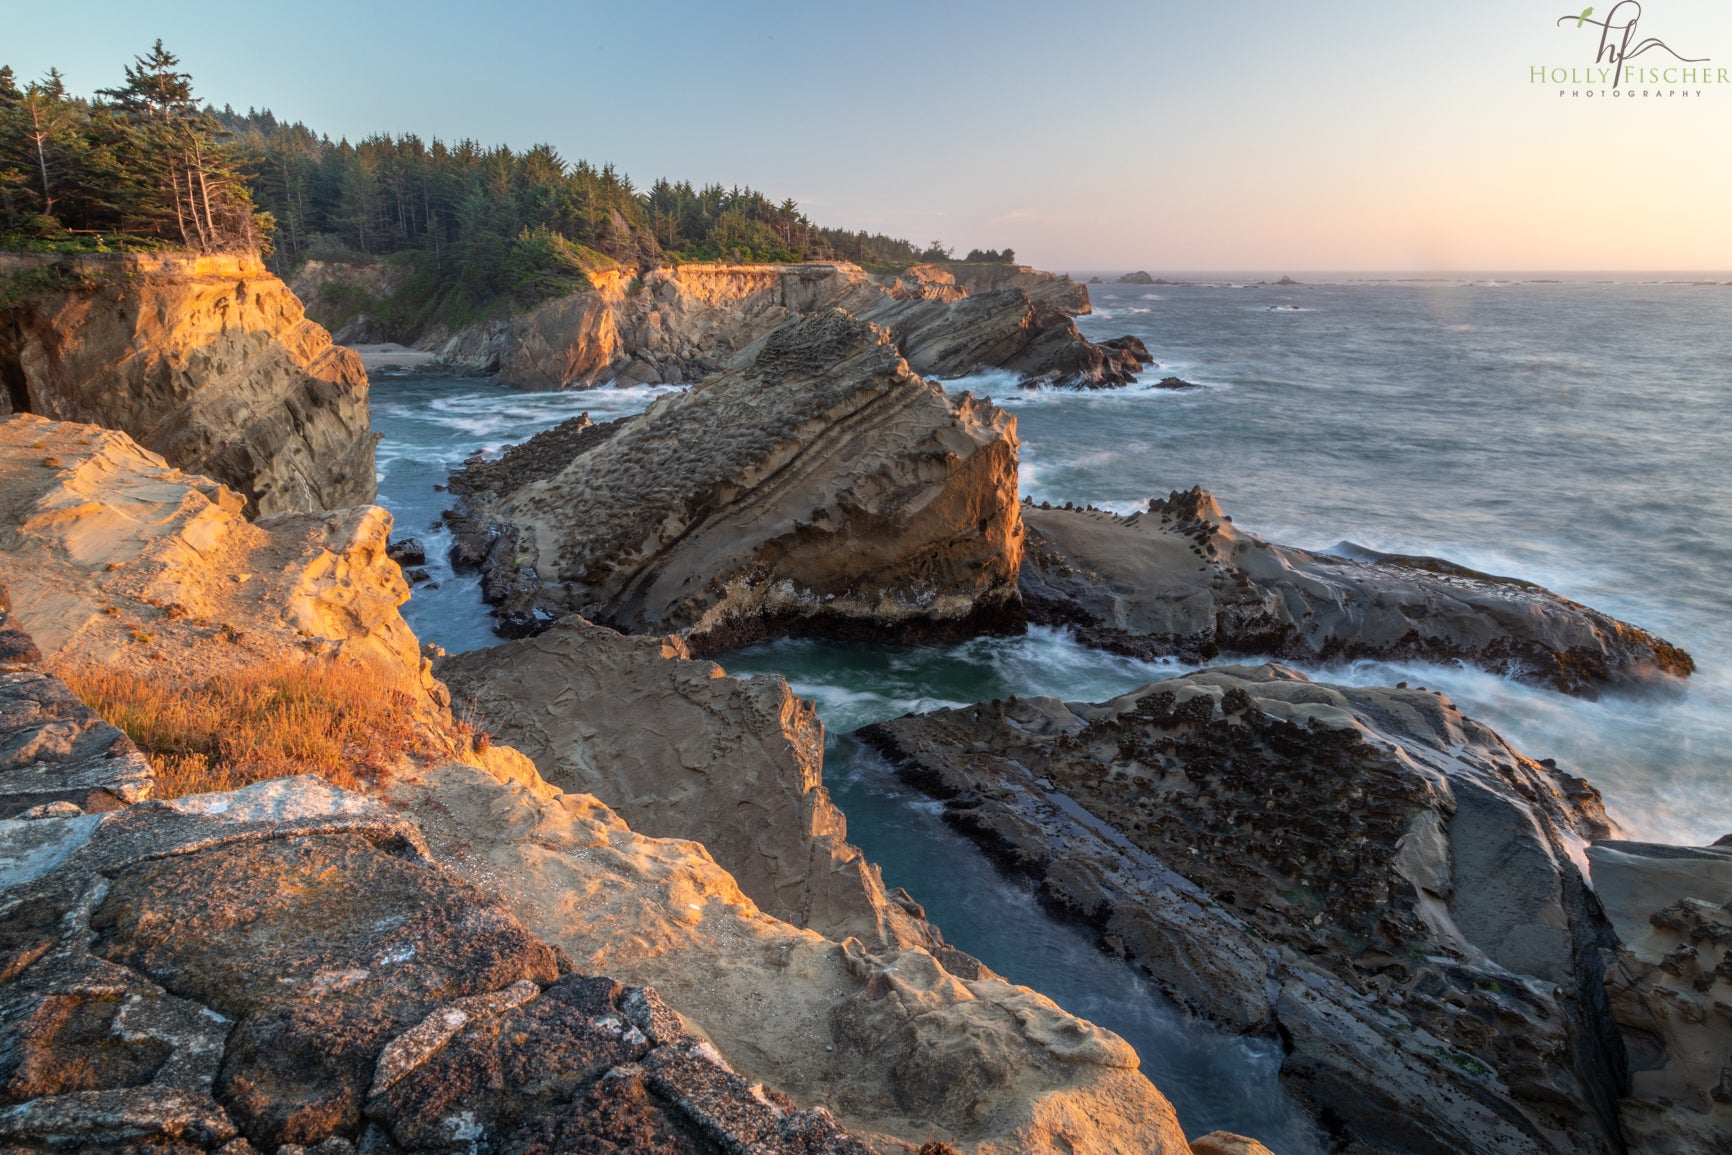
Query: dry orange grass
(341, 721)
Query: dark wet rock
(56, 755)
(1181, 579)
(284, 968)
(407, 551)
(418, 577)
(1380, 881)
(1174, 383)
(1137, 278)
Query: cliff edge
(209, 361)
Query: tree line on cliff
(138, 166)
(144, 165)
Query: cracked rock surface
(284, 966)
(1379, 880)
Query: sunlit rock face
(210, 362)
(681, 324)
(112, 557)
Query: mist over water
(1575, 435)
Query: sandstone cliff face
(112, 557)
(680, 750)
(1670, 985)
(1181, 580)
(822, 488)
(208, 361)
(1384, 882)
(681, 324)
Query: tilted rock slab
(1671, 989)
(681, 750)
(823, 489)
(1382, 881)
(681, 324)
(208, 361)
(112, 557)
(1181, 579)
(284, 964)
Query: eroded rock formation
(112, 557)
(1384, 882)
(899, 1047)
(1181, 579)
(1670, 985)
(680, 750)
(683, 323)
(824, 487)
(207, 361)
(56, 755)
(285, 964)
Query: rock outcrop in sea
(822, 487)
(1380, 881)
(208, 361)
(683, 323)
(1181, 580)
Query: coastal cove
(1377, 414)
(1324, 413)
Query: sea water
(1573, 433)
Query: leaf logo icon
(1586, 12)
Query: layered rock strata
(684, 323)
(285, 964)
(207, 361)
(114, 558)
(1670, 984)
(1181, 579)
(680, 750)
(1381, 881)
(822, 488)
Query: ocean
(1575, 432)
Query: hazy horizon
(1130, 136)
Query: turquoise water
(1572, 434)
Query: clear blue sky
(1235, 134)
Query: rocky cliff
(1382, 882)
(290, 964)
(1181, 579)
(683, 323)
(823, 487)
(114, 558)
(208, 361)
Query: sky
(1211, 135)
